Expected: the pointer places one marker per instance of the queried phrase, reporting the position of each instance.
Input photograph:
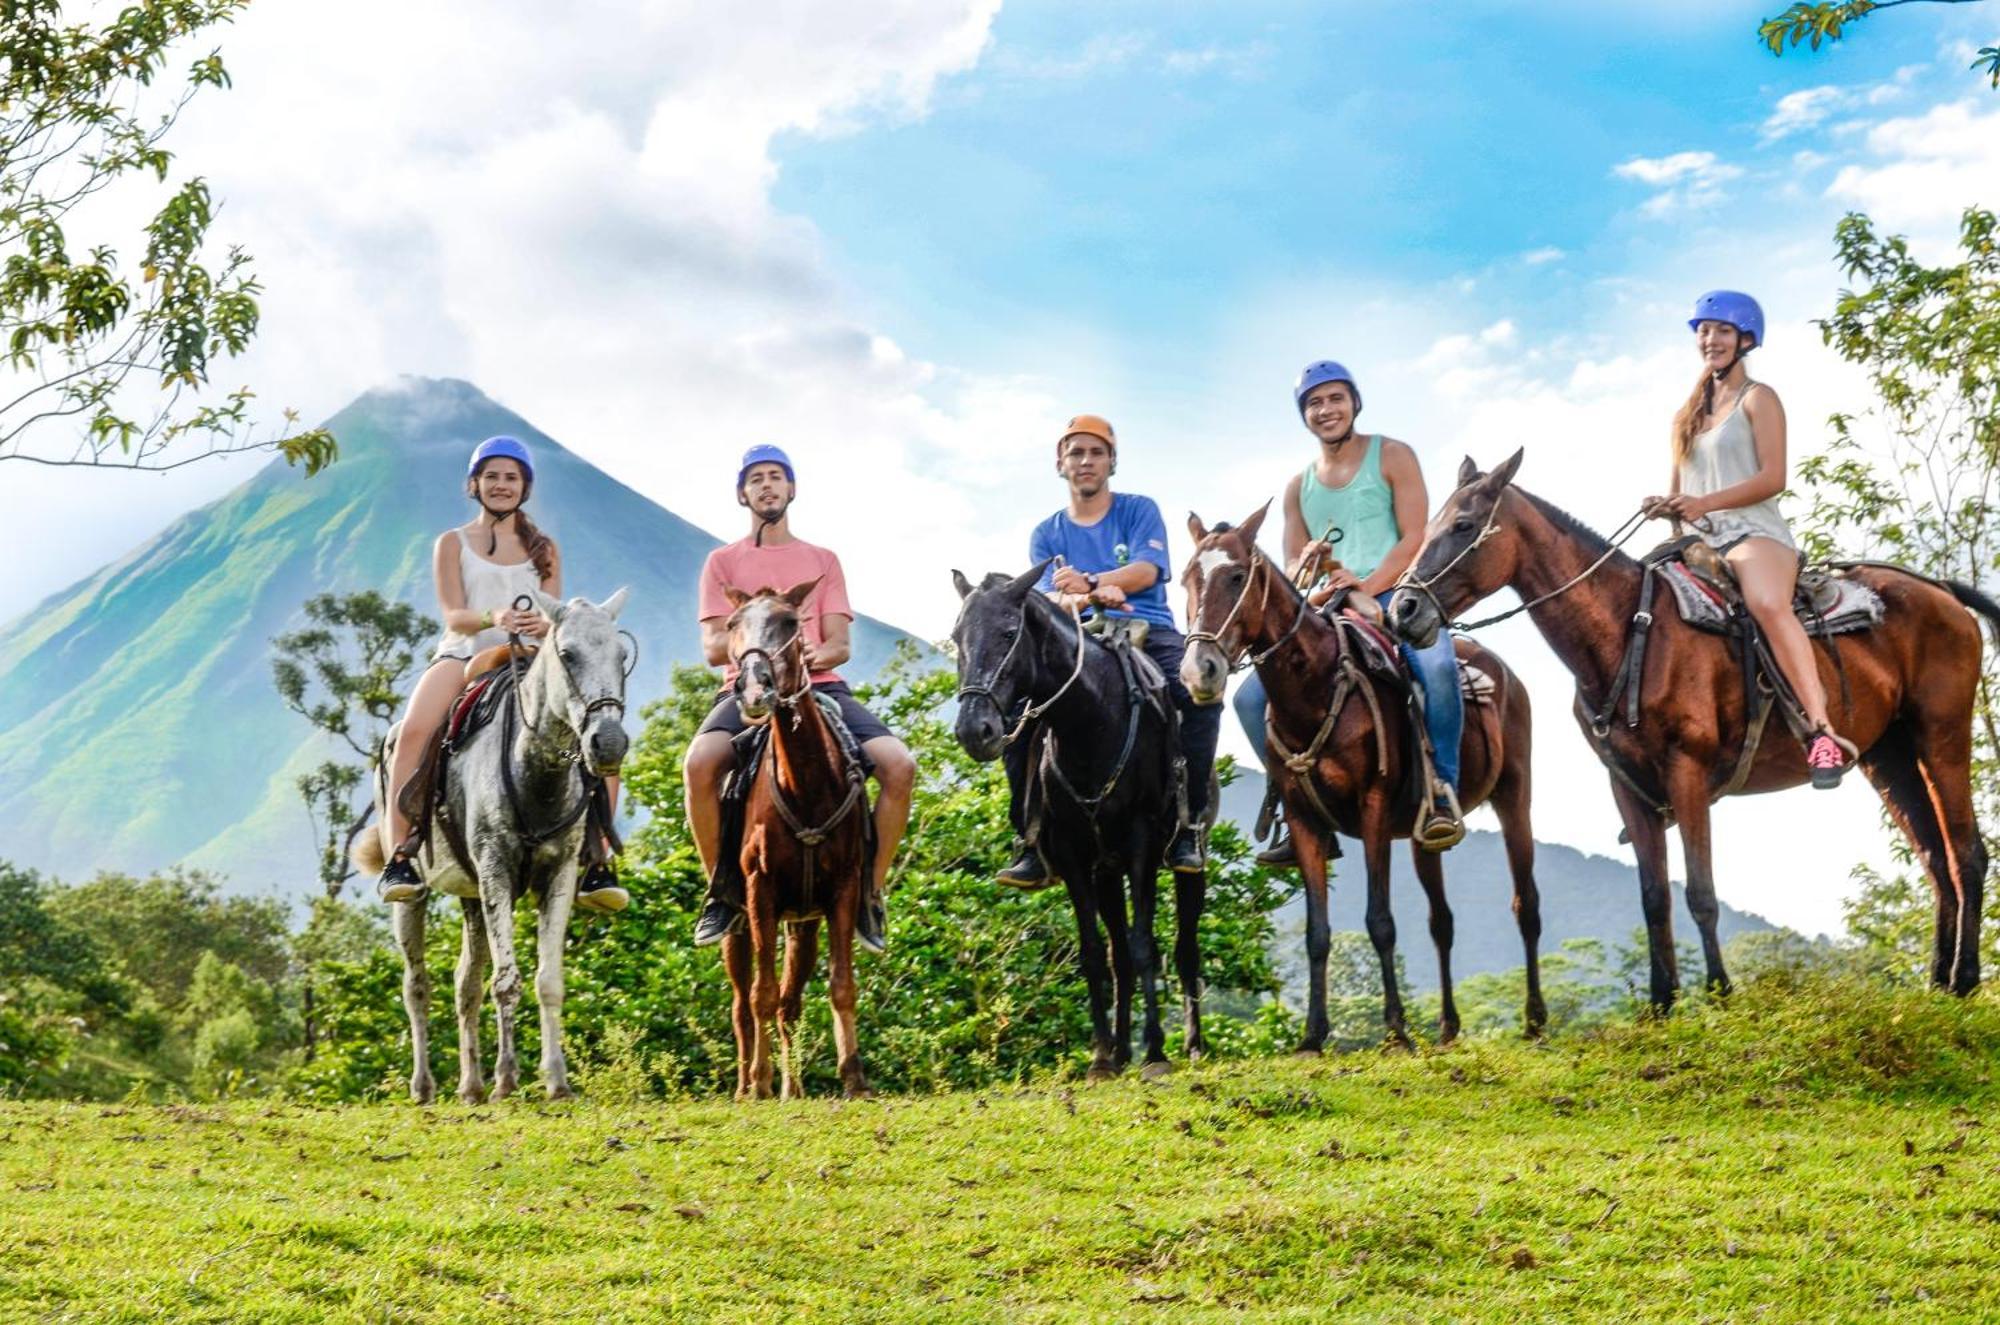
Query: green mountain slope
(138, 726)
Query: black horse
(1108, 803)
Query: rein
(993, 677)
(810, 836)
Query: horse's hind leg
(840, 992)
(801, 951)
(1892, 766)
(736, 960)
(409, 919)
(1430, 873)
(471, 993)
(1190, 893)
(1510, 802)
(1945, 758)
(551, 927)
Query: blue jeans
(1436, 673)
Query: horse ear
(735, 595)
(1029, 578)
(798, 593)
(1249, 527)
(615, 604)
(1468, 470)
(1196, 529)
(960, 583)
(1504, 475)
(551, 608)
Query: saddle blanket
(1854, 605)
(1382, 653)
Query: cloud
(1540, 256)
(1686, 181)
(1798, 111)
(1927, 170)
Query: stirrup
(1441, 832)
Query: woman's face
(501, 485)
(1717, 342)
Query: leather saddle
(489, 680)
(1709, 598)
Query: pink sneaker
(1826, 760)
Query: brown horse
(1354, 766)
(1902, 692)
(806, 848)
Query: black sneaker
(1185, 855)
(599, 890)
(1281, 854)
(717, 919)
(1028, 871)
(400, 882)
(871, 925)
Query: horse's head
(587, 687)
(1470, 549)
(767, 645)
(1225, 610)
(996, 668)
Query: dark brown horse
(805, 850)
(1351, 757)
(1905, 701)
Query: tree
(343, 673)
(110, 359)
(1917, 479)
(1814, 23)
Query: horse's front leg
(1687, 792)
(1375, 841)
(1311, 849)
(471, 993)
(841, 993)
(1190, 894)
(1430, 873)
(801, 951)
(1145, 884)
(1649, 845)
(736, 960)
(409, 919)
(552, 926)
(763, 982)
(1110, 884)
(496, 902)
(1096, 976)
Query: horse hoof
(422, 1092)
(793, 1091)
(1100, 1073)
(1308, 1051)
(561, 1092)
(473, 1097)
(860, 1092)
(1156, 1071)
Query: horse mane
(1594, 543)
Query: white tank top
(1722, 457)
(489, 586)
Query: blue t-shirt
(1130, 531)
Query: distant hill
(138, 726)
(1583, 896)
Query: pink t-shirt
(745, 566)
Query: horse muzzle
(605, 748)
(979, 729)
(1204, 672)
(1414, 617)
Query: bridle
(1258, 561)
(780, 698)
(523, 603)
(984, 688)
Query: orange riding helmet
(1090, 425)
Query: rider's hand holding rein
(530, 623)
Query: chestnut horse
(1905, 701)
(805, 853)
(1355, 761)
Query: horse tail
(367, 855)
(1977, 601)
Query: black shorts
(725, 717)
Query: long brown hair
(1687, 421)
(541, 548)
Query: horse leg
(409, 917)
(1649, 845)
(1510, 802)
(1898, 777)
(552, 926)
(1110, 884)
(1311, 850)
(1687, 792)
(840, 992)
(471, 993)
(1375, 839)
(763, 983)
(1430, 873)
(1190, 892)
(496, 899)
(1145, 950)
(801, 951)
(1946, 763)
(736, 960)
(1096, 978)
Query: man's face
(1086, 463)
(1329, 410)
(766, 490)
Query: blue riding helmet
(1734, 307)
(1319, 374)
(509, 448)
(765, 454)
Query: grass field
(1801, 1154)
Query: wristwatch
(1090, 578)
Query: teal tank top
(1364, 511)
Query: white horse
(515, 793)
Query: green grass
(1803, 1153)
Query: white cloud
(1686, 181)
(1540, 256)
(1797, 111)
(1928, 168)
